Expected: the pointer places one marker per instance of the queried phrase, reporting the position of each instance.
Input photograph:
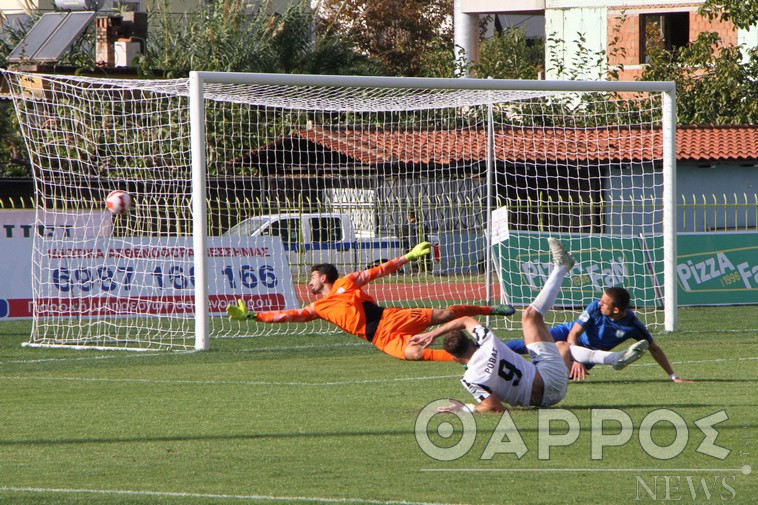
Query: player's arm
(490, 404)
(660, 357)
(240, 312)
(462, 323)
(574, 334)
(364, 277)
(578, 371)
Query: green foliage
(440, 60)
(585, 63)
(715, 85)
(510, 55)
(742, 13)
(224, 37)
(13, 162)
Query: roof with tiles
(524, 145)
(717, 143)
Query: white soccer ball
(118, 201)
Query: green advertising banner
(712, 268)
(717, 268)
(602, 261)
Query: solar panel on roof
(51, 36)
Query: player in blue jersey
(603, 325)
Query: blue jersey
(601, 332)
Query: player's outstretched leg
(632, 354)
(563, 262)
(561, 257)
(532, 318)
(440, 316)
(503, 310)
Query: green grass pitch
(329, 419)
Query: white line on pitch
(746, 470)
(48, 360)
(718, 360)
(143, 355)
(210, 496)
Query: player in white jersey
(493, 369)
(494, 373)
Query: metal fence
(695, 213)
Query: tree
(12, 150)
(222, 36)
(716, 84)
(742, 13)
(508, 54)
(398, 33)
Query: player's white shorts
(547, 359)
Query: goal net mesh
(298, 175)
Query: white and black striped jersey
(494, 368)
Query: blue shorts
(560, 333)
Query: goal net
(241, 182)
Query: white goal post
(240, 182)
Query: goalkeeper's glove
(420, 250)
(239, 311)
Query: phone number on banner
(126, 278)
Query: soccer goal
(240, 182)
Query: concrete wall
(564, 29)
(709, 197)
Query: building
(719, 158)
(599, 27)
(15, 11)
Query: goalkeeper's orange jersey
(343, 306)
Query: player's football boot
(503, 310)
(560, 255)
(635, 351)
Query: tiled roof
(526, 145)
(716, 143)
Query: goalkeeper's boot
(503, 310)
(560, 255)
(632, 354)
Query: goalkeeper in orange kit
(347, 306)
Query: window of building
(666, 31)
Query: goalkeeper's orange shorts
(397, 326)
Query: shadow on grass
(653, 406)
(293, 435)
(195, 438)
(696, 380)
